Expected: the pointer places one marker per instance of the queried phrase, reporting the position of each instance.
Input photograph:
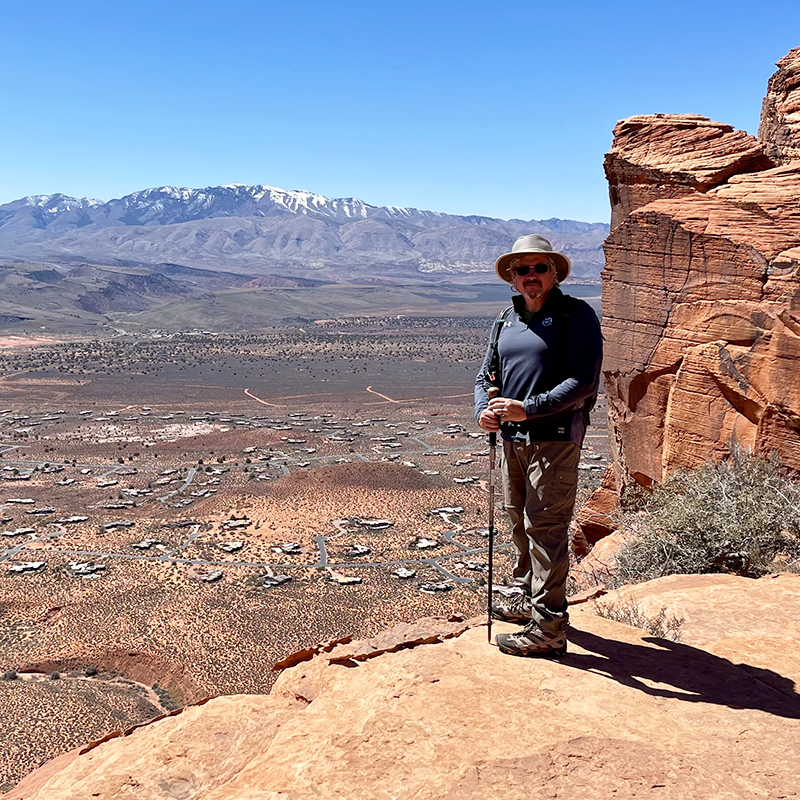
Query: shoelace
(519, 602)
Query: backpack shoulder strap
(568, 303)
(494, 364)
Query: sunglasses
(539, 269)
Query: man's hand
(508, 410)
(489, 422)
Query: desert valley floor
(180, 512)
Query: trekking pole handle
(491, 393)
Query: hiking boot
(516, 608)
(533, 641)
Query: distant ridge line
(265, 230)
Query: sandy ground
(10, 341)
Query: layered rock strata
(701, 296)
(780, 112)
(672, 155)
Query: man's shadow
(697, 676)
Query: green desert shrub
(737, 516)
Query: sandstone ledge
(623, 715)
(670, 155)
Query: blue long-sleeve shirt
(550, 360)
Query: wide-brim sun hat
(532, 244)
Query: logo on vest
(547, 321)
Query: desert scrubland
(182, 511)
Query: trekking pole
(492, 392)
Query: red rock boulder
(597, 518)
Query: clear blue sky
(503, 109)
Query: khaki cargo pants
(540, 481)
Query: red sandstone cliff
(701, 291)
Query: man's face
(534, 286)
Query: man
(546, 363)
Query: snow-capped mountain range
(267, 230)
